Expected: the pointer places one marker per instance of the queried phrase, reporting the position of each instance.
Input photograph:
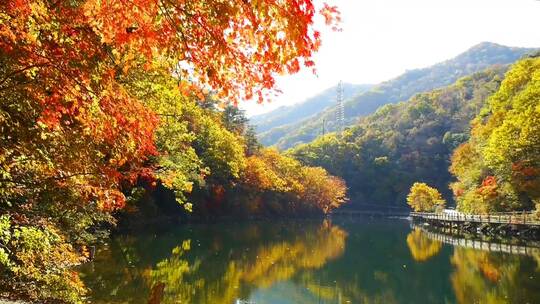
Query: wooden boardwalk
(507, 218)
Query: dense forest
(498, 168)
(398, 89)
(401, 143)
(104, 103)
(483, 127)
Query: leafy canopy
(498, 169)
(424, 198)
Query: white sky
(383, 38)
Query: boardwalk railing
(513, 218)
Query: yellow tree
(425, 198)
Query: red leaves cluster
(233, 47)
(489, 187)
(489, 181)
(526, 171)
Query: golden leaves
(424, 198)
(312, 186)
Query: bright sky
(383, 38)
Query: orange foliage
(489, 187)
(526, 177)
(232, 46)
(489, 181)
(311, 186)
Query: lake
(343, 260)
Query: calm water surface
(300, 261)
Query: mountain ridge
(401, 88)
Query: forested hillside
(401, 88)
(498, 168)
(399, 144)
(294, 113)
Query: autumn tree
(295, 188)
(77, 136)
(324, 191)
(498, 169)
(425, 198)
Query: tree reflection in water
(268, 264)
(481, 276)
(421, 246)
(222, 276)
(306, 262)
(488, 277)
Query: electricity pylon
(340, 113)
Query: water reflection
(484, 272)
(235, 266)
(354, 261)
(421, 246)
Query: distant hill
(387, 151)
(291, 114)
(398, 89)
